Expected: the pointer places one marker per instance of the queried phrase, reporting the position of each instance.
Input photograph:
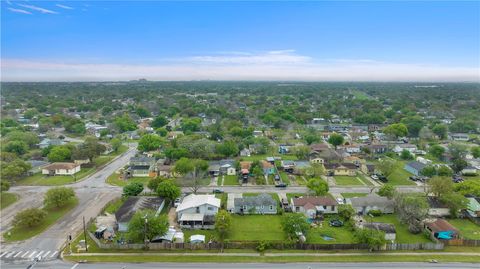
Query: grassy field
(363, 178)
(346, 181)
(7, 198)
(342, 235)
(403, 235)
(42, 180)
(256, 228)
(353, 194)
(467, 228)
(113, 206)
(230, 180)
(114, 179)
(400, 175)
(360, 95)
(284, 177)
(53, 215)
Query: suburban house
(46, 142)
(351, 148)
(441, 229)
(287, 165)
(163, 169)
(401, 147)
(459, 137)
(94, 129)
(245, 152)
(469, 170)
(198, 211)
(322, 151)
(141, 166)
(317, 160)
(373, 201)
(341, 169)
(133, 204)
(222, 167)
(36, 166)
(259, 204)
(414, 167)
(437, 208)
(313, 206)
(367, 169)
(61, 169)
(268, 168)
(355, 160)
(376, 148)
(387, 228)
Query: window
(324, 207)
(297, 208)
(271, 207)
(209, 208)
(245, 207)
(333, 208)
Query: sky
(193, 40)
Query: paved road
(93, 194)
(57, 264)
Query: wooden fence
(461, 242)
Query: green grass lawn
(7, 198)
(353, 194)
(346, 181)
(342, 235)
(290, 196)
(114, 179)
(400, 175)
(53, 215)
(284, 177)
(230, 180)
(256, 228)
(468, 229)
(365, 180)
(403, 235)
(113, 206)
(42, 180)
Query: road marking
(33, 253)
(40, 254)
(46, 253)
(18, 254)
(54, 253)
(3, 254)
(9, 254)
(75, 266)
(24, 254)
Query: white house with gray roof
(260, 204)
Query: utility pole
(85, 234)
(145, 232)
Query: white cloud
(39, 9)
(64, 6)
(269, 57)
(16, 10)
(257, 68)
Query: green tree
(142, 112)
(311, 138)
(411, 210)
(455, 202)
(18, 147)
(192, 169)
(386, 166)
(293, 224)
(336, 140)
(318, 186)
(159, 122)
(468, 187)
(458, 165)
(436, 151)
(440, 186)
(476, 151)
(150, 142)
(191, 125)
(145, 224)
(396, 130)
(301, 152)
(228, 148)
(373, 238)
(223, 224)
(387, 191)
(59, 154)
(406, 155)
(153, 183)
(440, 130)
(457, 151)
(444, 171)
(414, 125)
(429, 171)
(346, 212)
(58, 197)
(125, 123)
(116, 144)
(14, 169)
(133, 189)
(176, 153)
(29, 218)
(5, 185)
(168, 190)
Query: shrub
(375, 212)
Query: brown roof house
(441, 229)
(313, 206)
(341, 169)
(62, 169)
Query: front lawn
(7, 198)
(284, 176)
(43, 180)
(468, 229)
(400, 176)
(256, 228)
(114, 179)
(53, 215)
(230, 180)
(340, 235)
(403, 235)
(264, 157)
(346, 181)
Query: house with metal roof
(373, 201)
(259, 204)
(414, 167)
(197, 211)
(313, 206)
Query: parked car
(374, 177)
(335, 223)
(281, 185)
(177, 201)
(277, 177)
(382, 178)
(217, 191)
(340, 201)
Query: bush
(29, 217)
(58, 197)
(375, 212)
(262, 246)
